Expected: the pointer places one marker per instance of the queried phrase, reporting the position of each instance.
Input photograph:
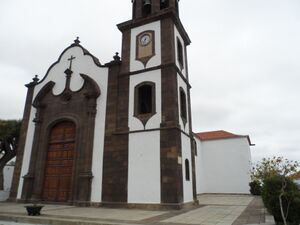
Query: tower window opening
(164, 4)
(183, 112)
(134, 9)
(179, 52)
(145, 99)
(147, 7)
(187, 170)
(144, 103)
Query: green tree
(9, 137)
(270, 167)
(279, 168)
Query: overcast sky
(244, 60)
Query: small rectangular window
(187, 170)
(183, 111)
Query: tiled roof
(219, 134)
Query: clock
(145, 39)
(145, 46)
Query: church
(115, 134)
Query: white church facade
(115, 134)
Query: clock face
(145, 39)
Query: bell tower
(152, 140)
(146, 7)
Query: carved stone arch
(81, 109)
(60, 118)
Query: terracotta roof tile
(219, 134)
(211, 135)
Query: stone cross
(71, 59)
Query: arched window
(187, 170)
(179, 53)
(147, 7)
(164, 4)
(144, 101)
(183, 112)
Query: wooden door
(59, 164)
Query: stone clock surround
(148, 49)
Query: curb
(43, 219)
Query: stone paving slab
(209, 215)
(85, 212)
(213, 210)
(14, 223)
(19, 208)
(105, 213)
(44, 220)
(223, 199)
(254, 214)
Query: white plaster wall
(155, 60)
(200, 181)
(81, 64)
(182, 84)
(144, 168)
(226, 165)
(177, 35)
(155, 120)
(186, 154)
(7, 175)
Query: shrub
(271, 190)
(295, 209)
(255, 187)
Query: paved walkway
(213, 210)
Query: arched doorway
(59, 163)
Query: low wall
(8, 173)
